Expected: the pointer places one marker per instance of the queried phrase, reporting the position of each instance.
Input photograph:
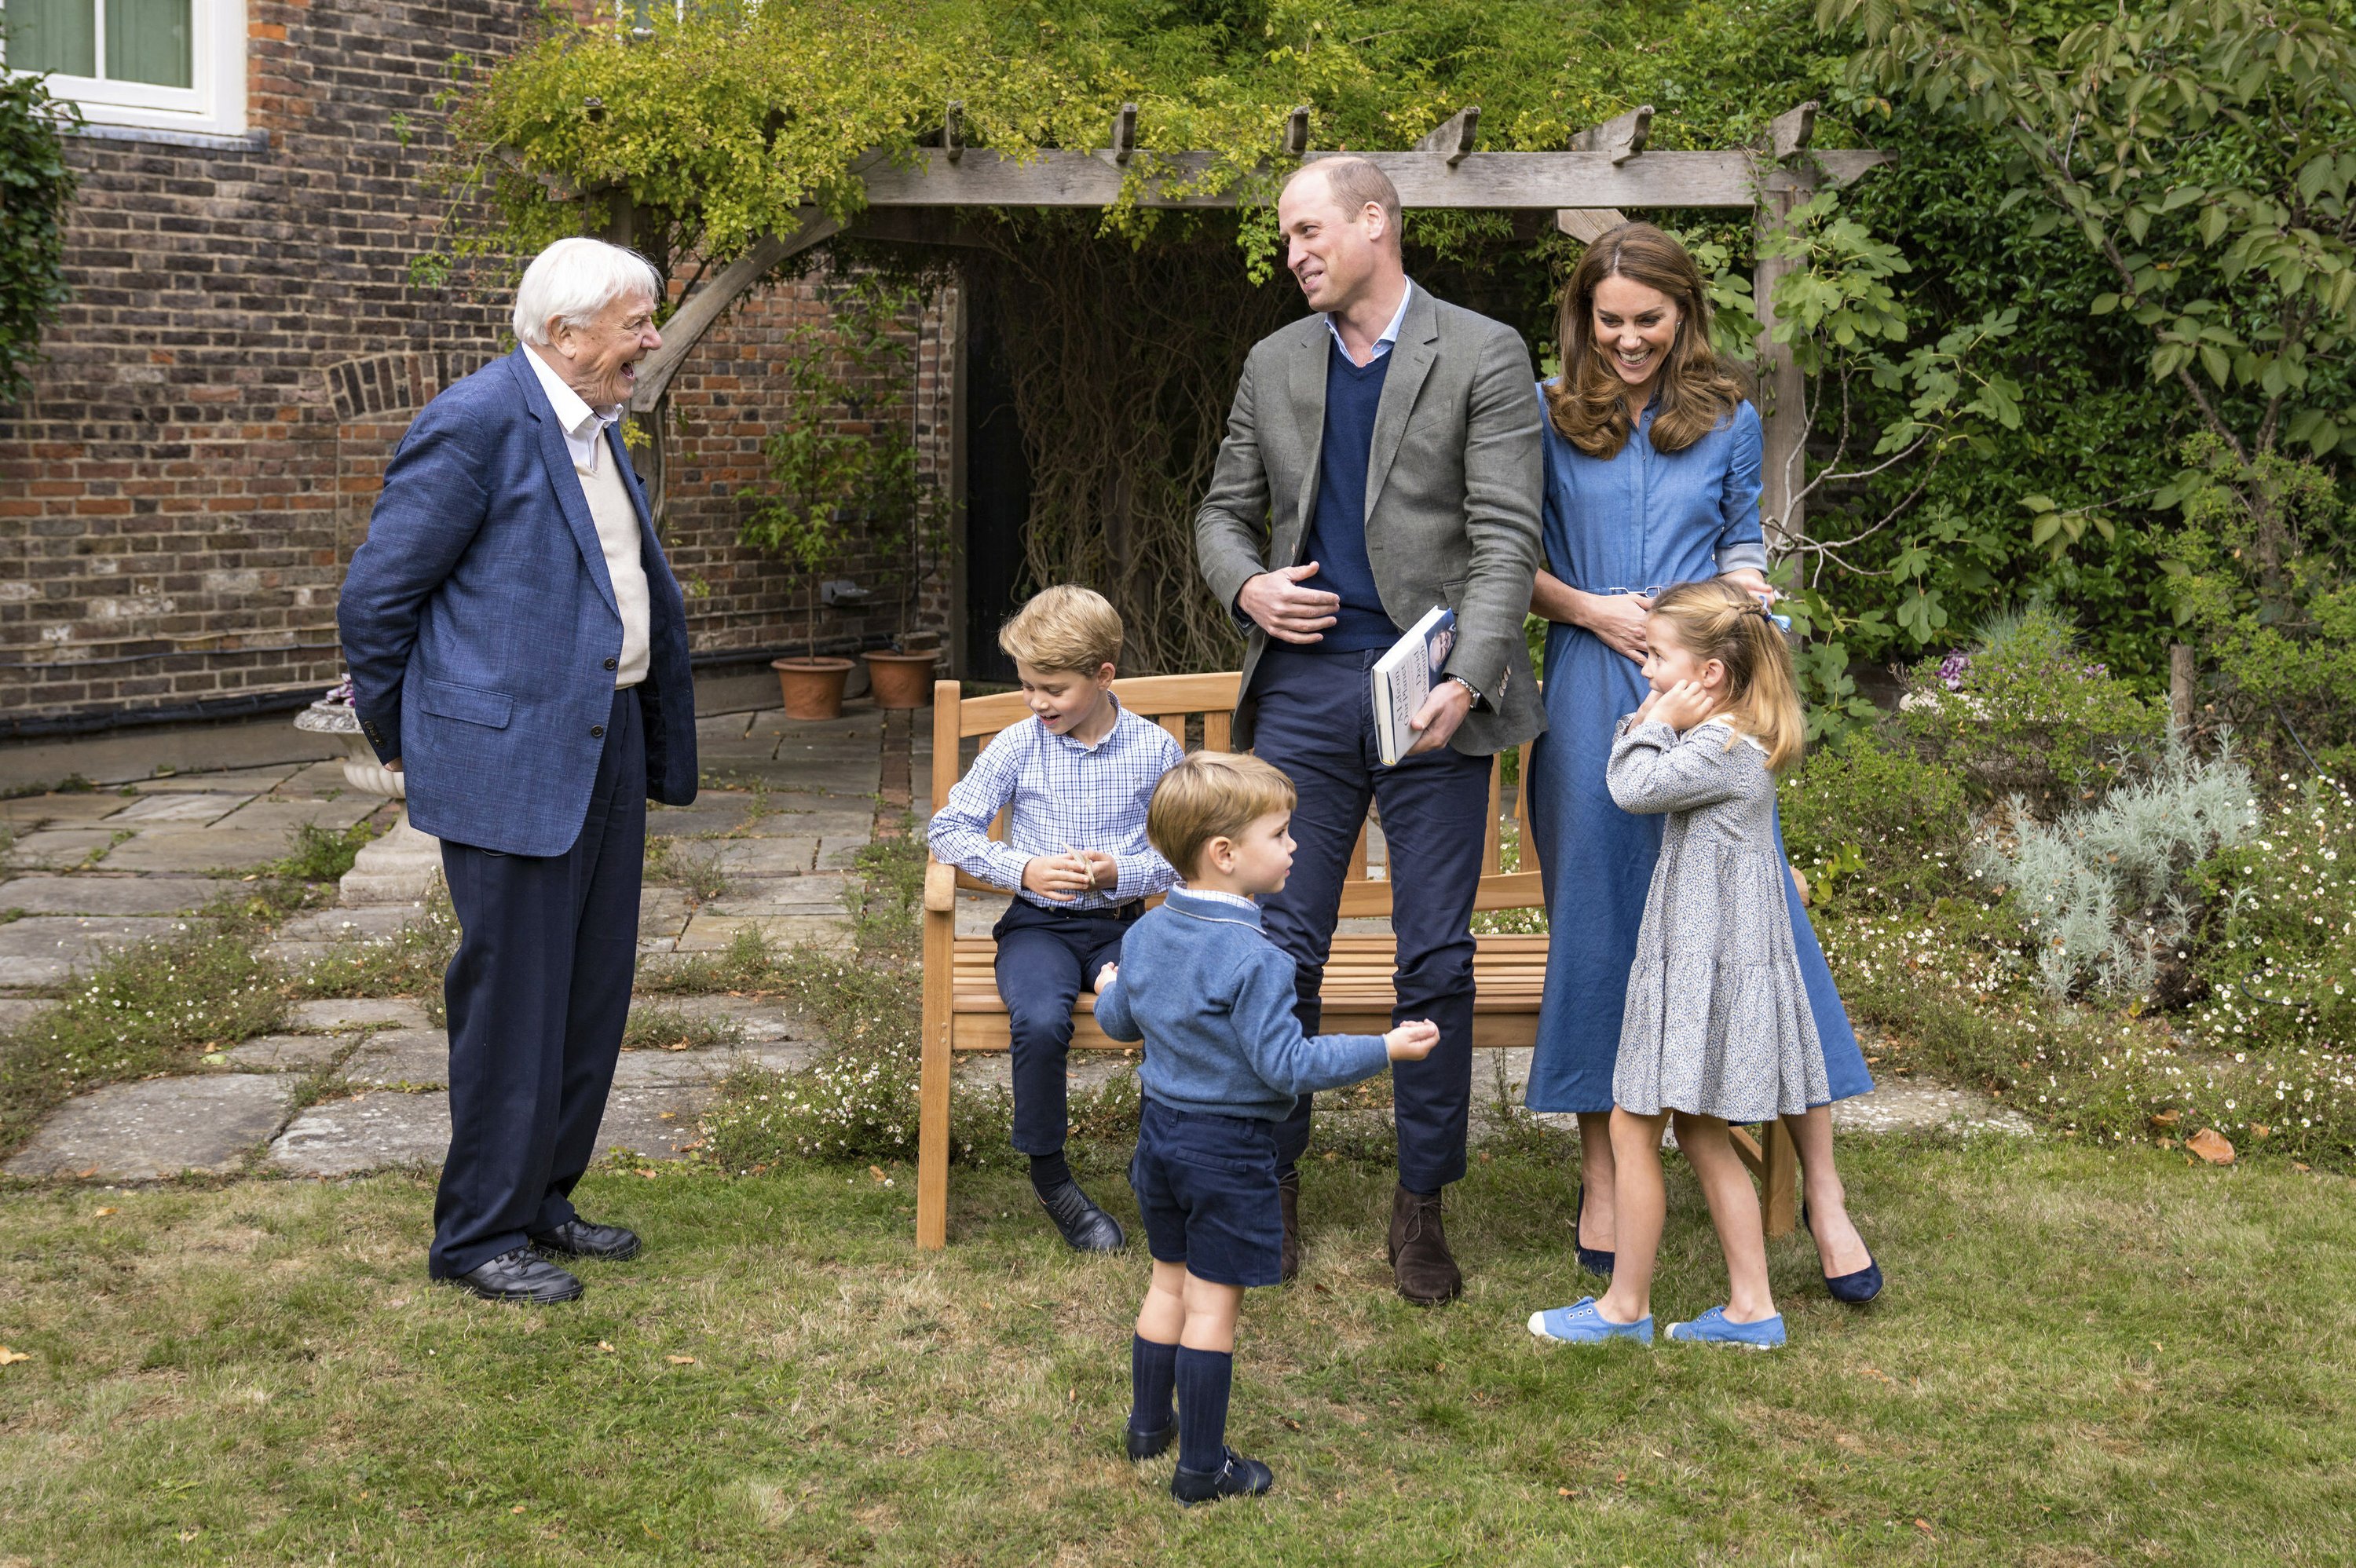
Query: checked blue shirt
(1065, 795)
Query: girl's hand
(1645, 709)
(1618, 618)
(1411, 1042)
(1683, 706)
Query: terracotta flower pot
(901, 681)
(812, 688)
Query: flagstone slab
(183, 848)
(76, 809)
(368, 1132)
(761, 1022)
(58, 848)
(319, 781)
(44, 949)
(119, 895)
(199, 809)
(290, 1052)
(372, 922)
(764, 857)
(356, 1012)
(288, 816)
(138, 1132)
(1905, 1105)
(715, 811)
(258, 780)
(841, 854)
(401, 1058)
(816, 893)
(19, 1012)
(713, 933)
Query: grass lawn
(2085, 1357)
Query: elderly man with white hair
(518, 648)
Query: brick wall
(184, 483)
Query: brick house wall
(183, 486)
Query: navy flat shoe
(1857, 1288)
(1593, 1260)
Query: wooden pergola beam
(1432, 180)
(686, 326)
(1452, 137)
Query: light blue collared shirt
(1389, 335)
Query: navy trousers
(1317, 724)
(538, 994)
(1045, 958)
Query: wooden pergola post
(1783, 390)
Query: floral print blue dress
(1637, 522)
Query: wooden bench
(963, 1010)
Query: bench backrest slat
(1170, 702)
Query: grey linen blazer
(1452, 488)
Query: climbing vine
(37, 186)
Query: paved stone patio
(358, 1085)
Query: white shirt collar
(582, 424)
(1194, 892)
(1389, 334)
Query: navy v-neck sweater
(1337, 530)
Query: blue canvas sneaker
(1712, 1328)
(1581, 1324)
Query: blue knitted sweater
(1212, 998)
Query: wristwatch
(1478, 701)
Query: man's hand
(1683, 706)
(1061, 877)
(1435, 722)
(1280, 606)
(393, 766)
(1618, 618)
(1411, 1042)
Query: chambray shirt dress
(1639, 522)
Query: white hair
(573, 279)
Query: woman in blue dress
(1652, 477)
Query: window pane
(53, 35)
(148, 40)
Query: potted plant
(818, 471)
(901, 676)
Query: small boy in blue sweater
(1225, 1060)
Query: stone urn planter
(812, 688)
(362, 771)
(901, 681)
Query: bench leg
(933, 1094)
(1779, 1179)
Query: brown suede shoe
(1288, 1201)
(1421, 1264)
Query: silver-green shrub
(2102, 890)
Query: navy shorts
(1206, 1186)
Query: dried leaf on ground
(10, 1358)
(2212, 1146)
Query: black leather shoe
(1237, 1477)
(1147, 1445)
(1085, 1227)
(1857, 1288)
(1287, 1204)
(578, 1239)
(519, 1275)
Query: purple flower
(341, 692)
(1953, 668)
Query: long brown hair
(1716, 620)
(1697, 392)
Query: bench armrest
(940, 888)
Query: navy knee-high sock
(1152, 1378)
(1203, 1379)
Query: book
(1405, 675)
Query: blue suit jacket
(480, 629)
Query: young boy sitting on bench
(1078, 775)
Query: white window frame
(212, 105)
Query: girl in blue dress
(1652, 478)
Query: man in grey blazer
(1382, 457)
